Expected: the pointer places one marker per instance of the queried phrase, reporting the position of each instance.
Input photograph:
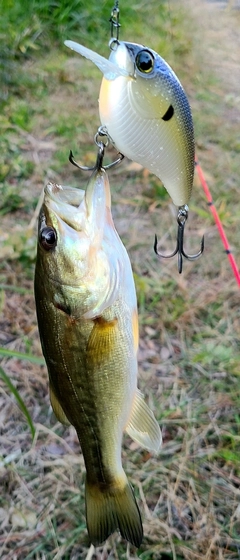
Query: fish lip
(61, 219)
(67, 208)
(51, 189)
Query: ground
(189, 324)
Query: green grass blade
(21, 356)
(19, 400)
(17, 289)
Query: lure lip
(110, 70)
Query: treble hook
(181, 220)
(100, 155)
(98, 164)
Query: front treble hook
(98, 165)
(102, 132)
(181, 220)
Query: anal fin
(142, 426)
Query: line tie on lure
(146, 114)
(114, 21)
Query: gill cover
(147, 114)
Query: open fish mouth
(66, 203)
(64, 195)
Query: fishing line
(218, 223)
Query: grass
(189, 324)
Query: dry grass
(189, 324)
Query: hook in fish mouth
(181, 220)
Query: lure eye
(144, 61)
(48, 238)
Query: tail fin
(110, 509)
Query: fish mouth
(66, 203)
(83, 211)
(64, 195)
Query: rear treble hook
(181, 220)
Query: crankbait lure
(146, 113)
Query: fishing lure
(146, 113)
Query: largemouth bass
(87, 317)
(146, 113)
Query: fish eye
(144, 61)
(48, 238)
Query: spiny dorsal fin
(142, 426)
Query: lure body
(87, 317)
(146, 112)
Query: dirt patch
(217, 33)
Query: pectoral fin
(57, 409)
(102, 341)
(142, 426)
